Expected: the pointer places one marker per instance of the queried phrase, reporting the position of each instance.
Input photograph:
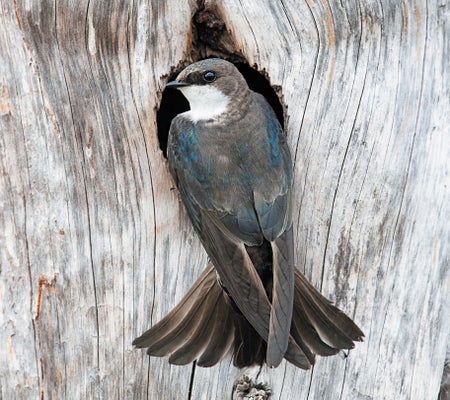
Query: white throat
(206, 102)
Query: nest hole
(173, 102)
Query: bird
(232, 166)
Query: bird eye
(209, 76)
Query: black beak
(176, 84)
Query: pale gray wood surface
(95, 246)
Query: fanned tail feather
(318, 324)
(198, 328)
(206, 325)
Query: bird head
(210, 86)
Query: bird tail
(206, 325)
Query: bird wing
(272, 202)
(241, 280)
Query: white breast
(206, 102)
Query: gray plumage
(232, 166)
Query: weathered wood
(95, 246)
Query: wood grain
(95, 246)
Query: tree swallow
(230, 161)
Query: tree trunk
(95, 246)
